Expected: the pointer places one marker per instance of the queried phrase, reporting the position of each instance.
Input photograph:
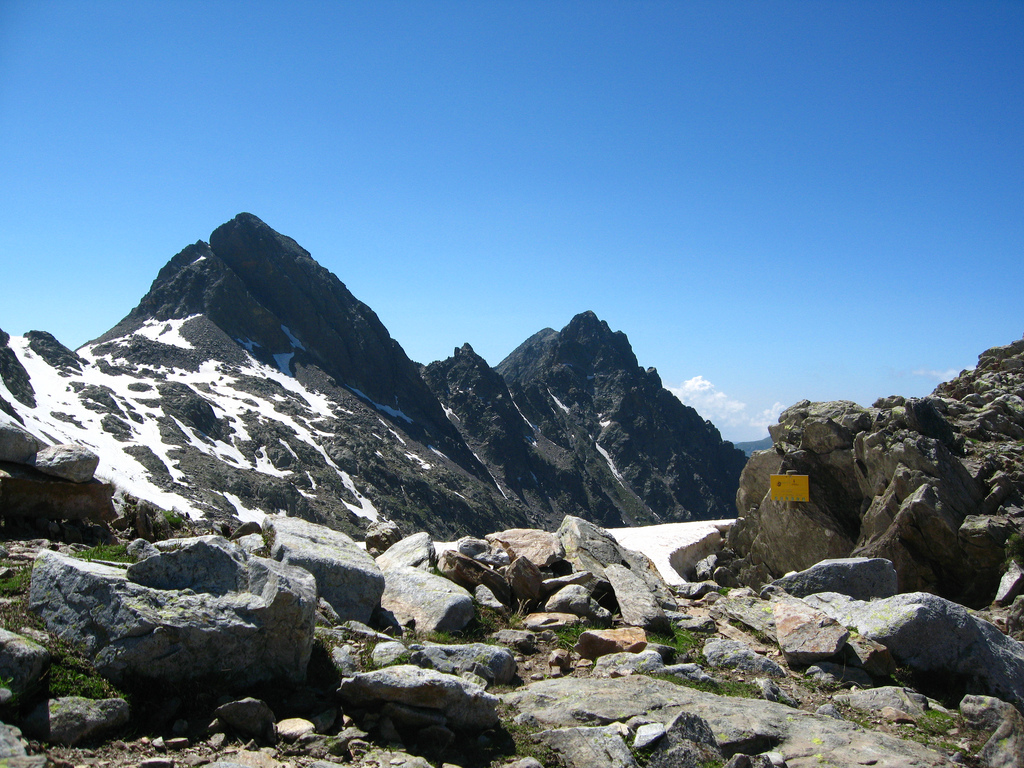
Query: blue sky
(773, 200)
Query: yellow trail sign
(790, 488)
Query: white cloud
(709, 402)
(731, 416)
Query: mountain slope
(645, 456)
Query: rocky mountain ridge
(249, 381)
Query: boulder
(416, 551)
(731, 654)
(68, 462)
(525, 579)
(346, 577)
(1010, 585)
(11, 747)
(250, 718)
(588, 746)
(26, 492)
(294, 728)
(688, 741)
(576, 599)
(862, 578)
(423, 600)
(541, 548)
(494, 664)
(1005, 747)
(73, 719)
(838, 674)
(637, 603)
(381, 535)
(593, 644)
(16, 444)
(209, 564)
(22, 662)
(522, 641)
(874, 658)
(984, 712)
(464, 704)
(753, 612)
(645, 662)
(541, 621)
(582, 578)
(806, 635)
(263, 633)
(931, 634)
(470, 573)
(471, 546)
(755, 479)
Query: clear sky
(773, 200)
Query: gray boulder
(209, 564)
(754, 612)
(11, 746)
(464, 704)
(931, 634)
(73, 719)
(493, 663)
(740, 725)
(346, 577)
(646, 662)
(16, 444)
(984, 712)
(1005, 747)
(576, 599)
(248, 717)
(423, 600)
(263, 633)
(22, 661)
(730, 654)
(862, 578)
(688, 741)
(637, 603)
(416, 551)
(68, 462)
(588, 747)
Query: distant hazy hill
(755, 445)
(249, 380)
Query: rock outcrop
(935, 485)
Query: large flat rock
(746, 726)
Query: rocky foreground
(290, 644)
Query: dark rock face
(641, 455)
(14, 377)
(250, 381)
(934, 484)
